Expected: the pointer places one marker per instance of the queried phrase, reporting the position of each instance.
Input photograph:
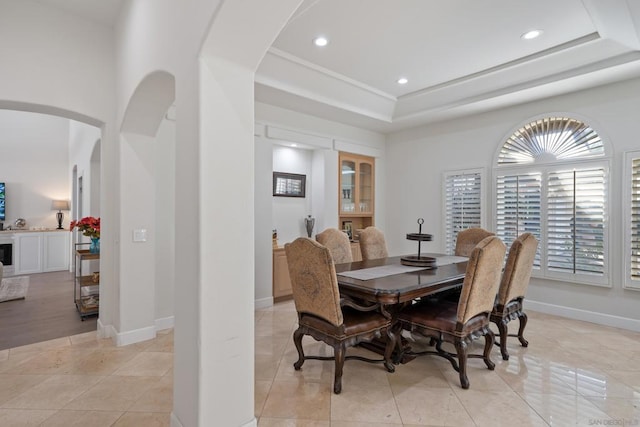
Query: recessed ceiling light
(320, 41)
(531, 34)
(403, 81)
(294, 145)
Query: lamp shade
(59, 205)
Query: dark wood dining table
(392, 292)
(399, 288)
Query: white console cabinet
(28, 253)
(37, 252)
(55, 251)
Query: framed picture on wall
(289, 184)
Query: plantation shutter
(518, 207)
(575, 224)
(635, 220)
(462, 205)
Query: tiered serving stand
(419, 261)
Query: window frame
(483, 201)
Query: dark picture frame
(289, 184)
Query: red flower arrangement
(89, 226)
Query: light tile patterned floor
(572, 373)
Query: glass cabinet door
(348, 186)
(365, 188)
(356, 193)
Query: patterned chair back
(313, 280)
(338, 244)
(482, 278)
(372, 244)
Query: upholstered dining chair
(462, 322)
(372, 244)
(338, 244)
(513, 288)
(467, 239)
(326, 317)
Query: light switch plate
(140, 235)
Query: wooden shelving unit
(86, 290)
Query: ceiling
(102, 11)
(459, 56)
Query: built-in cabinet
(28, 253)
(281, 280)
(355, 251)
(356, 192)
(38, 252)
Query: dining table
(388, 282)
(392, 285)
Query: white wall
(324, 197)
(417, 158)
(165, 220)
(82, 142)
(34, 165)
(263, 219)
(289, 212)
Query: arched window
(551, 180)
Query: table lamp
(60, 205)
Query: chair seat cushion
(355, 323)
(440, 316)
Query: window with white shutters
(463, 204)
(518, 205)
(549, 183)
(576, 219)
(632, 214)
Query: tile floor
(572, 373)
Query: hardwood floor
(48, 312)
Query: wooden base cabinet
(355, 251)
(281, 281)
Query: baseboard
(165, 323)
(587, 316)
(105, 331)
(263, 303)
(252, 423)
(137, 335)
(174, 421)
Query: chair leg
(489, 339)
(502, 328)
(339, 354)
(388, 352)
(297, 340)
(523, 322)
(461, 349)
